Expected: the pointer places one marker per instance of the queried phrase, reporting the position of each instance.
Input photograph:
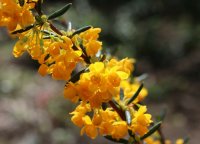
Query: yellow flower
(97, 119)
(140, 121)
(70, 92)
(93, 47)
(19, 48)
(101, 83)
(179, 141)
(43, 69)
(91, 34)
(89, 128)
(150, 140)
(79, 113)
(88, 39)
(120, 129)
(12, 14)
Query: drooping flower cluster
(108, 122)
(109, 100)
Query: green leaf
(124, 141)
(131, 133)
(152, 130)
(76, 77)
(21, 3)
(81, 30)
(128, 117)
(59, 12)
(38, 7)
(121, 94)
(48, 32)
(135, 95)
(23, 30)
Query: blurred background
(163, 36)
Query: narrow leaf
(117, 108)
(135, 95)
(21, 3)
(46, 37)
(76, 77)
(59, 12)
(121, 94)
(81, 30)
(48, 32)
(117, 141)
(23, 30)
(128, 117)
(152, 130)
(130, 133)
(38, 7)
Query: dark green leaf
(46, 57)
(81, 30)
(124, 141)
(39, 19)
(130, 133)
(152, 130)
(128, 117)
(38, 7)
(59, 12)
(21, 3)
(117, 108)
(135, 95)
(121, 94)
(23, 30)
(76, 77)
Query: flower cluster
(109, 100)
(14, 13)
(101, 83)
(108, 122)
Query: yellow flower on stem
(140, 121)
(120, 129)
(88, 39)
(89, 128)
(79, 113)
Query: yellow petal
(122, 75)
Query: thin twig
(162, 138)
